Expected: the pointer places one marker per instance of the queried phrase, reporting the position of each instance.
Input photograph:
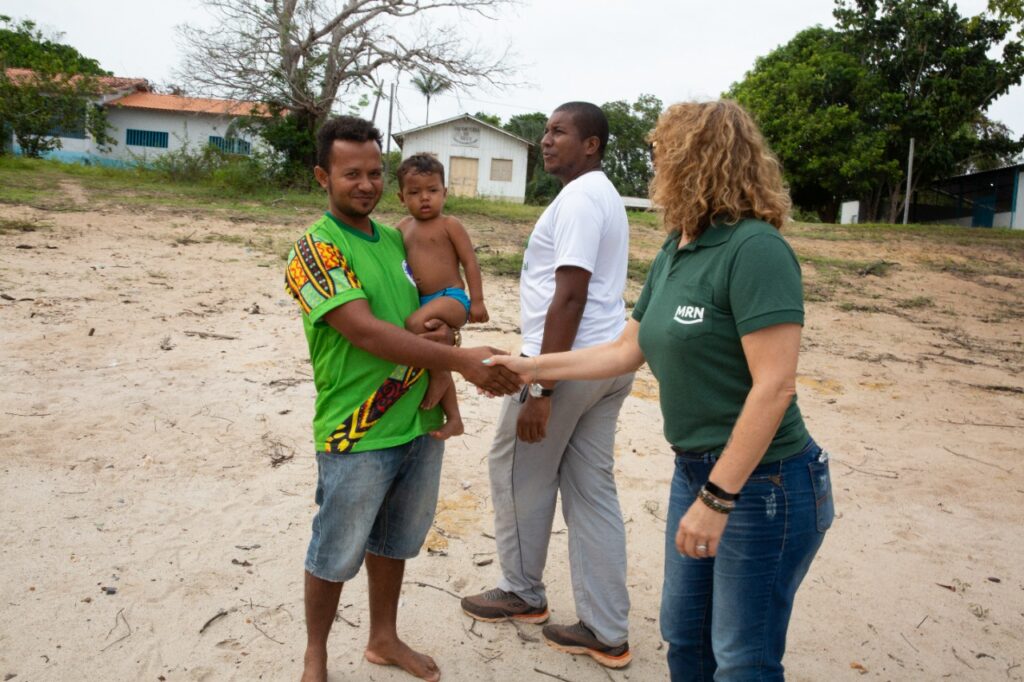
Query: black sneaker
(497, 605)
(579, 639)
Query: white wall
(182, 128)
(490, 144)
(849, 212)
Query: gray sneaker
(497, 605)
(579, 639)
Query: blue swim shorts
(451, 292)
(378, 501)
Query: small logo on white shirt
(689, 314)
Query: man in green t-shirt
(378, 469)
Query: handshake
(492, 378)
(491, 370)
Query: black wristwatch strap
(721, 494)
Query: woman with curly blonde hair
(719, 323)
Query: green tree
(493, 119)
(993, 146)
(937, 71)
(627, 159)
(541, 187)
(53, 97)
(809, 97)
(840, 107)
(430, 84)
(22, 45)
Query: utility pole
(391, 109)
(910, 175)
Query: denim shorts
(378, 501)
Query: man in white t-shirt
(553, 439)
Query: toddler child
(436, 245)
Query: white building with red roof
(145, 124)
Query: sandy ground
(157, 471)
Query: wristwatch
(538, 391)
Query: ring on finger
(702, 549)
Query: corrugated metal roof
(195, 105)
(400, 136)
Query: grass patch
(637, 269)
(506, 264)
(973, 268)
(915, 303)
(511, 264)
(816, 291)
(851, 307)
(1006, 239)
(237, 239)
(506, 211)
(276, 243)
(831, 273)
(9, 225)
(644, 218)
(877, 268)
(36, 182)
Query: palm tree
(430, 84)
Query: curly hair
(419, 164)
(711, 163)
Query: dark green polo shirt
(696, 304)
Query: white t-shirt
(586, 227)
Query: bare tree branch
(301, 54)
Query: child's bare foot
(439, 383)
(398, 653)
(314, 667)
(452, 427)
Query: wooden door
(462, 172)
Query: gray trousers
(576, 458)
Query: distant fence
(637, 203)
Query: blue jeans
(725, 618)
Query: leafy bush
(188, 164)
(805, 215)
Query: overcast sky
(595, 50)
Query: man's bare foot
(452, 427)
(397, 652)
(314, 667)
(439, 383)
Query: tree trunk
(872, 207)
(308, 122)
(829, 211)
(894, 205)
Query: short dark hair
(348, 128)
(590, 121)
(419, 164)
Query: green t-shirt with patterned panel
(362, 401)
(697, 303)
